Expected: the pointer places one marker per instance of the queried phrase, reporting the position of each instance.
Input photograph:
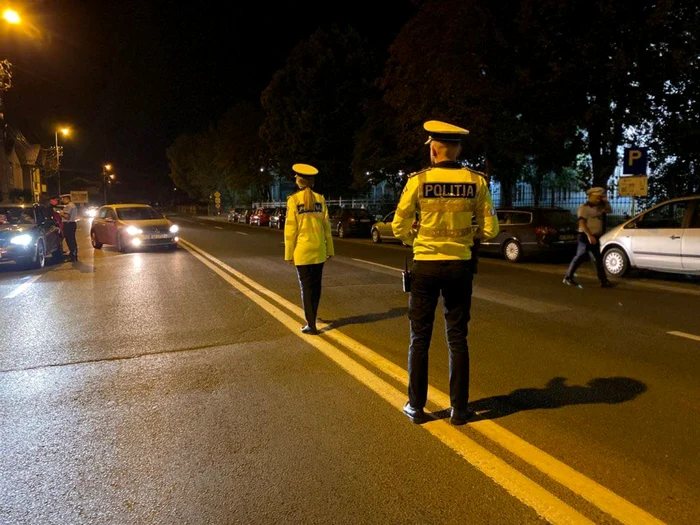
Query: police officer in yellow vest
(447, 196)
(307, 240)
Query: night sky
(130, 76)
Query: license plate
(567, 237)
(159, 236)
(364, 220)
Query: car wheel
(616, 262)
(341, 231)
(40, 257)
(512, 251)
(93, 239)
(375, 236)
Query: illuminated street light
(11, 16)
(107, 177)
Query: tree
(538, 82)
(377, 157)
(241, 157)
(192, 166)
(314, 105)
(614, 62)
(465, 61)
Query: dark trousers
(310, 276)
(69, 233)
(584, 250)
(452, 279)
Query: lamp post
(65, 132)
(11, 17)
(106, 175)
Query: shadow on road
(367, 318)
(556, 394)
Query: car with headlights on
(129, 226)
(28, 234)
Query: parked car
(244, 216)
(278, 217)
(131, 226)
(381, 230)
(27, 234)
(231, 217)
(526, 232)
(665, 238)
(261, 217)
(351, 221)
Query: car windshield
(142, 213)
(559, 219)
(17, 215)
(359, 213)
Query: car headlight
(174, 228)
(22, 240)
(133, 230)
(92, 213)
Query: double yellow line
(514, 482)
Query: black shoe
(416, 415)
(606, 284)
(461, 415)
(309, 330)
(570, 281)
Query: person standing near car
(307, 240)
(70, 216)
(447, 195)
(591, 226)
(56, 216)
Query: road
(175, 387)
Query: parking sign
(635, 161)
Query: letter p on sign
(635, 154)
(635, 161)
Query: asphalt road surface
(176, 388)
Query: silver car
(665, 238)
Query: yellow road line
(687, 336)
(601, 497)
(515, 483)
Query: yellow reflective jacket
(307, 234)
(447, 197)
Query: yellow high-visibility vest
(447, 197)
(307, 233)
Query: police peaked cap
(444, 132)
(304, 170)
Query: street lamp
(65, 132)
(11, 16)
(106, 169)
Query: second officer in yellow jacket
(307, 240)
(447, 195)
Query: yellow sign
(217, 195)
(633, 187)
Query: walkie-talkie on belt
(406, 277)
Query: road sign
(634, 161)
(633, 186)
(217, 196)
(79, 197)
